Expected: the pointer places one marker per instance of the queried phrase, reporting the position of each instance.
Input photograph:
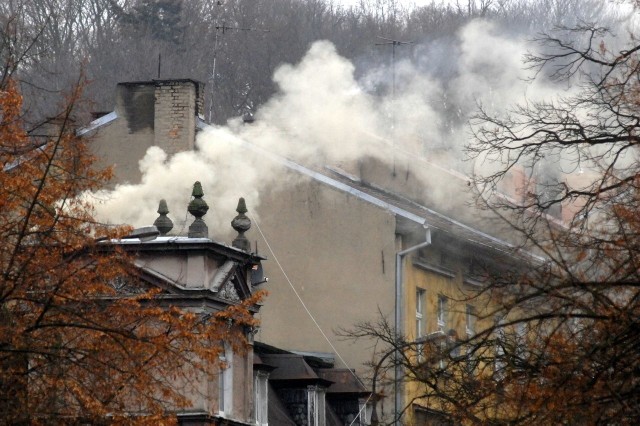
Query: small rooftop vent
(146, 233)
(248, 118)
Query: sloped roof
(429, 217)
(344, 381)
(278, 414)
(403, 208)
(290, 367)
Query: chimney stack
(178, 104)
(167, 109)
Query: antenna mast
(222, 28)
(393, 43)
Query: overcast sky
(404, 2)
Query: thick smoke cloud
(322, 115)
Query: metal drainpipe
(397, 409)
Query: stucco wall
(439, 281)
(115, 146)
(339, 253)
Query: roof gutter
(399, 325)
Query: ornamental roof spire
(198, 208)
(163, 223)
(241, 223)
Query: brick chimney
(178, 103)
(167, 109)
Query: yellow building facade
(442, 307)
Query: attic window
(365, 412)
(316, 406)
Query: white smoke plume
(322, 115)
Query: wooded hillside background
(140, 40)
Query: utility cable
(304, 305)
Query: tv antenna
(222, 30)
(393, 43)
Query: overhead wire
(308, 311)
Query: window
(315, 406)
(470, 314)
(442, 312)
(471, 359)
(501, 341)
(420, 318)
(261, 391)
(420, 321)
(520, 351)
(365, 412)
(225, 382)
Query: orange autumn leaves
(71, 345)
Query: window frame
(421, 323)
(316, 406)
(365, 411)
(441, 313)
(470, 320)
(261, 398)
(225, 383)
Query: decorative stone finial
(241, 223)
(163, 223)
(198, 208)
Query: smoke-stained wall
(159, 113)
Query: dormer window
(316, 406)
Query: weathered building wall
(203, 277)
(339, 252)
(445, 270)
(121, 143)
